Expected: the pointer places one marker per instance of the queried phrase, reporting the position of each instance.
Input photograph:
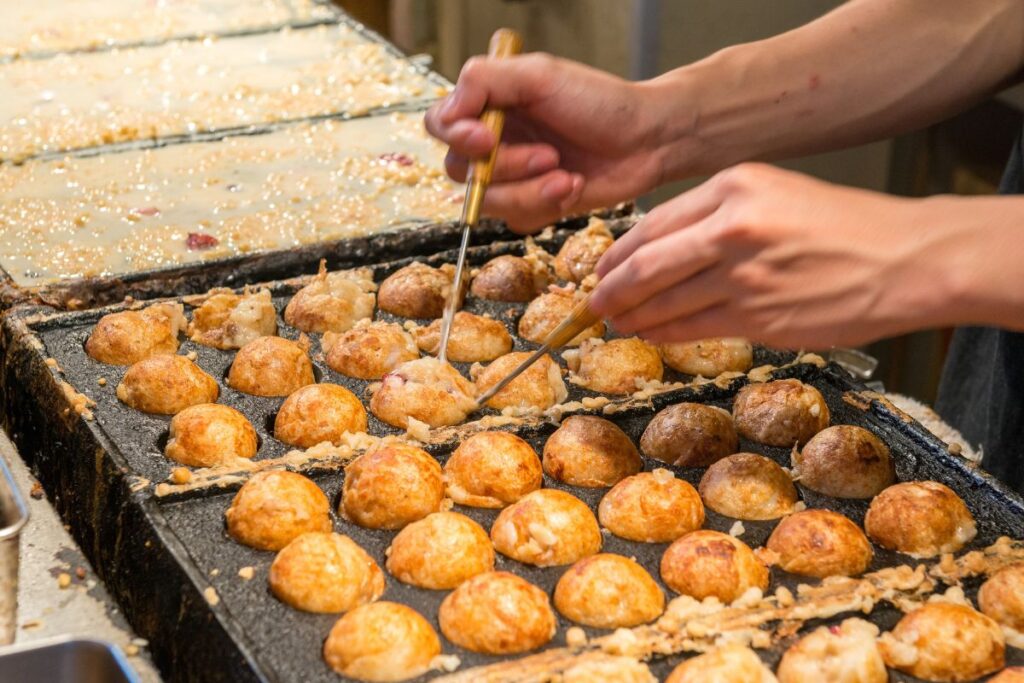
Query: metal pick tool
(504, 43)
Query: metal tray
(66, 660)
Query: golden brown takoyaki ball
(846, 653)
(920, 518)
(708, 563)
(166, 384)
(748, 486)
(325, 572)
(608, 591)
(651, 507)
(382, 641)
(590, 451)
(546, 528)
(733, 663)
(270, 366)
(332, 302)
(317, 413)
(492, 470)
(210, 434)
(540, 386)
(276, 506)
(579, 255)
(618, 366)
(820, 543)
(690, 435)
(440, 551)
(510, 278)
(550, 310)
(391, 486)
(1011, 674)
(941, 641)
(473, 339)
(369, 350)
(1002, 597)
(127, 337)
(426, 390)
(417, 291)
(780, 413)
(845, 461)
(226, 320)
(709, 357)
(497, 613)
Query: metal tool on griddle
(504, 43)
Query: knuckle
(473, 69)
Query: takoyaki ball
(579, 255)
(492, 470)
(426, 390)
(391, 486)
(166, 384)
(709, 357)
(845, 461)
(690, 435)
(1002, 597)
(733, 663)
(780, 413)
(473, 339)
(274, 507)
(382, 641)
(130, 336)
(227, 320)
(550, 310)
(440, 551)
(847, 653)
(920, 518)
(510, 278)
(497, 613)
(1011, 674)
(325, 572)
(748, 486)
(820, 543)
(317, 413)
(651, 507)
(590, 451)
(210, 434)
(546, 528)
(608, 591)
(417, 291)
(618, 366)
(540, 386)
(709, 563)
(270, 366)
(369, 350)
(332, 302)
(941, 641)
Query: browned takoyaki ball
(391, 486)
(417, 291)
(847, 653)
(941, 641)
(780, 413)
(820, 543)
(497, 613)
(709, 357)
(382, 641)
(579, 255)
(492, 470)
(440, 551)
(845, 461)
(1002, 597)
(210, 434)
(550, 310)
(618, 366)
(651, 507)
(733, 663)
(369, 350)
(332, 302)
(920, 518)
(748, 486)
(590, 451)
(540, 386)
(274, 507)
(426, 390)
(608, 591)
(226, 320)
(708, 563)
(165, 384)
(546, 528)
(510, 278)
(325, 572)
(690, 435)
(317, 413)
(1011, 674)
(473, 339)
(127, 337)
(270, 366)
